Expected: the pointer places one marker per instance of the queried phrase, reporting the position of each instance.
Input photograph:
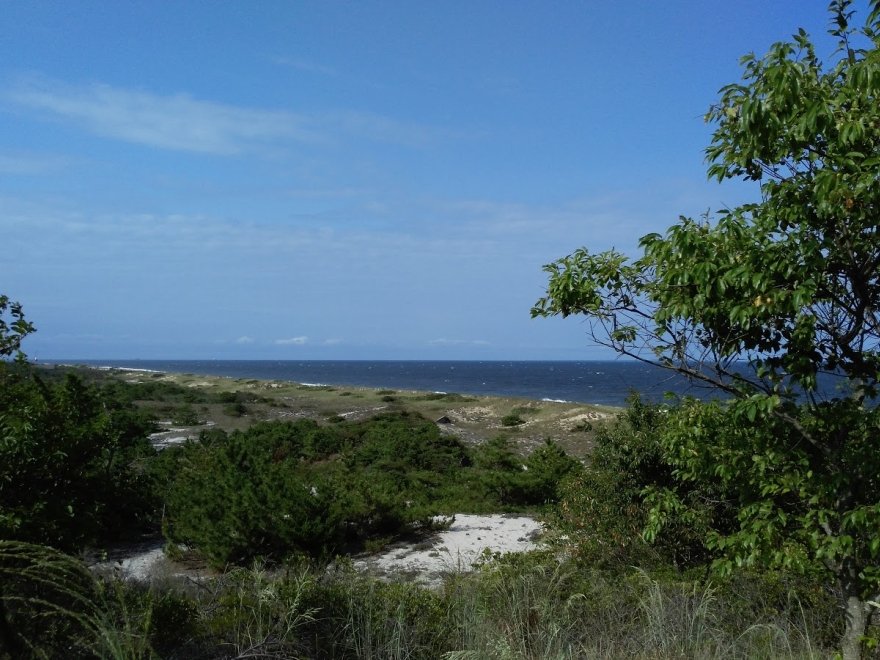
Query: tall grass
(679, 622)
(530, 606)
(510, 611)
(49, 600)
(252, 613)
(521, 608)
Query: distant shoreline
(603, 382)
(474, 418)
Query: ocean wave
(112, 368)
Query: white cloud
(178, 122)
(332, 342)
(293, 341)
(244, 340)
(181, 122)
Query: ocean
(608, 383)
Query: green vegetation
(603, 513)
(742, 528)
(526, 606)
(277, 501)
(444, 396)
(512, 419)
(69, 462)
(283, 487)
(515, 416)
(790, 286)
(13, 327)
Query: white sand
(135, 561)
(457, 548)
(453, 550)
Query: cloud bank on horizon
(294, 181)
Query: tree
(602, 511)
(790, 287)
(67, 453)
(13, 327)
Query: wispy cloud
(244, 340)
(292, 341)
(179, 122)
(26, 163)
(182, 122)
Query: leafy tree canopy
(789, 285)
(13, 327)
(67, 454)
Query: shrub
(602, 509)
(67, 462)
(185, 416)
(281, 487)
(444, 396)
(286, 487)
(512, 419)
(235, 409)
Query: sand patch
(455, 549)
(471, 414)
(573, 421)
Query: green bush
(512, 419)
(602, 510)
(443, 396)
(235, 409)
(185, 415)
(69, 457)
(286, 487)
(271, 490)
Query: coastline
(473, 418)
(606, 383)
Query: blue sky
(370, 180)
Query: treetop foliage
(13, 327)
(789, 287)
(789, 283)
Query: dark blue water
(586, 382)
